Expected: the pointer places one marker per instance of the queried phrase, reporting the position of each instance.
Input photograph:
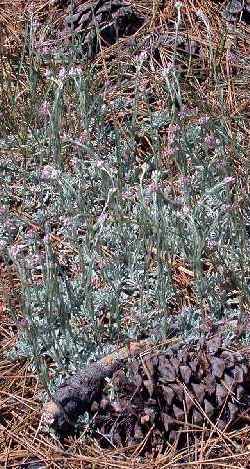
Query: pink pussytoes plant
(49, 172)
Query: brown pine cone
(182, 387)
(101, 23)
(186, 384)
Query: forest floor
(124, 162)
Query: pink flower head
(153, 187)
(212, 244)
(75, 71)
(172, 130)
(35, 24)
(83, 136)
(187, 111)
(203, 120)
(31, 233)
(49, 172)
(47, 238)
(3, 210)
(62, 73)
(3, 244)
(221, 164)
(168, 152)
(232, 57)
(48, 73)
(102, 218)
(210, 141)
(185, 209)
(129, 194)
(45, 109)
(230, 181)
(22, 323)
(75, 163)
(45, 50)
(99, 163)
(15, 250)
(227, 208)
(95, 281)
(34, 261)
(184, 180)
(101, 263)
(165, 71)
(142, 56)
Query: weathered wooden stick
(77, 393)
